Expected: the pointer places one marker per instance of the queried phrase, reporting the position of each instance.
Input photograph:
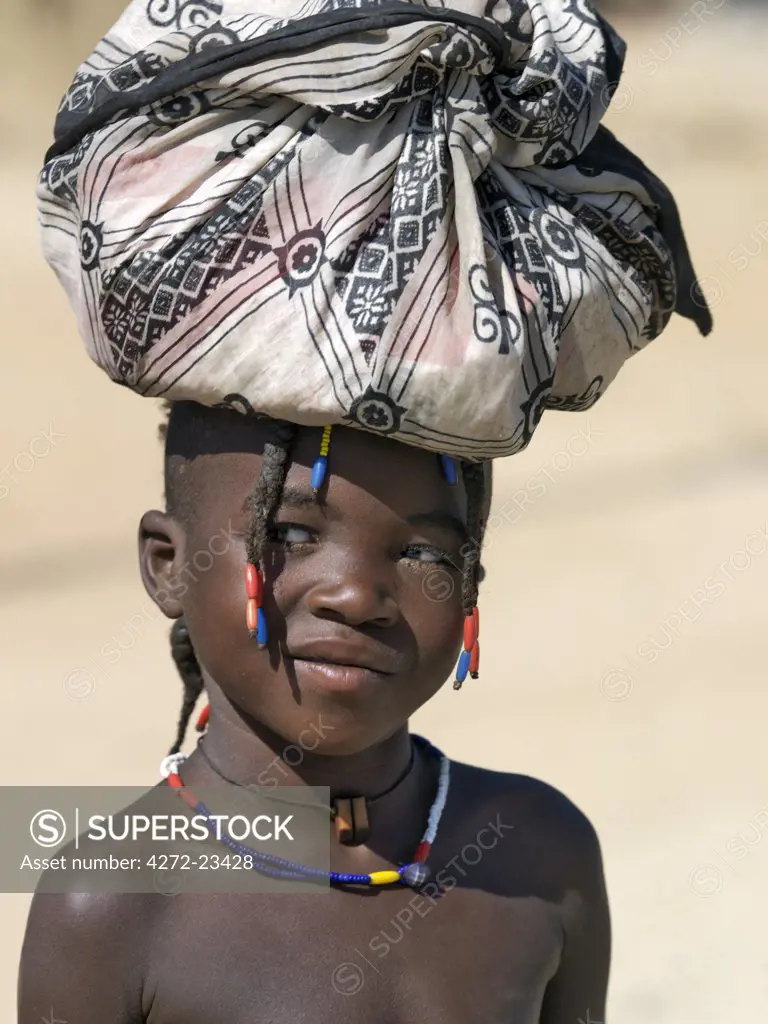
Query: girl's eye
(290, 535)
(428, 555)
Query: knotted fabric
(400, 216)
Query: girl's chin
(324, 721)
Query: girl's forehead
(360, 466)
(196, 432)
(402, 476)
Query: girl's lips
(348, 653)
(331, 676)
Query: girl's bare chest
(394, 957)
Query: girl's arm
(80, 960)
(577, 993)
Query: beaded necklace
(414, 874)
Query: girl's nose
(355, 598)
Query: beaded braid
(262, 504)
(474, 484)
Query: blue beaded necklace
(413, 874)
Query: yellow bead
(384, 877)
(326, 441)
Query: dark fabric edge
(605, 152)
(299, 35)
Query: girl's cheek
(216, 595)
(435, 611)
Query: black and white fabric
(401, 216)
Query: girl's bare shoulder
(82, 957)
(544, 821)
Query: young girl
(360, 249)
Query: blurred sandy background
(624, 616)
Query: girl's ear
(161, 558)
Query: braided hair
(474, 484)
(262, 505)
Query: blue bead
(347, 879)
(450, 470)
(463, 667)
(261, 628)
(318, 472)
(415, 874)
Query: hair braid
(264, 500)
(191, 675)
(474, 484)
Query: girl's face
(363, 586)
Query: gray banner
(106, 839)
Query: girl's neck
(258, 758)
(250, 754)
(402, 775)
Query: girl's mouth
(328, 675)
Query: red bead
(422, 852)
(470, 632)
(252, 615)
(254, 583)
(202, 720)
(476, 617)
(189, 798)
(474, 661)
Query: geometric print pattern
(407, 218)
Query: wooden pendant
(344, 820)
(351, 820)
(360, 819)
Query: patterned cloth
(400, 216)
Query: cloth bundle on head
(401, 216)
